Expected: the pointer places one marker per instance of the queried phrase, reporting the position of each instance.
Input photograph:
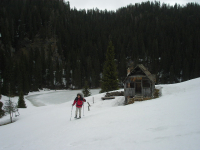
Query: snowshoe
(78, 118)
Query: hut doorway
(138, 89)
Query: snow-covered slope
(169, 122)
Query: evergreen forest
(48, 44)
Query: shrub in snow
(1, 105)
(21, 102)
(86, 91)
(10, 108)
(1, 111)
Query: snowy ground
(43, 98)
(170, 122)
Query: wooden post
(129, 84)
(88, 106)
(150, 88)
(93, 100)
(134, 88)
(142, 87)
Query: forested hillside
(43, 39)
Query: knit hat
(80, 94)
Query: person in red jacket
(79, 103)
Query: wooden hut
(138, 84)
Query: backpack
(79, 102)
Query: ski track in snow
(169, 122)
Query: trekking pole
(83, 109)
(71, 113)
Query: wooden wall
(129, 92)
(145, 91)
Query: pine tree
(21, 102)
(171, 77)
(2, 113)
(109, 80)
(68, 74)
(185, 70)
(77, 75)
(10, 107)
(86, 91)
(148, 38)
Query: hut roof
(144, 69)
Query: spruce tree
(77, 75)
(1, 111)
(109, 80)
(10, 107)
(21, 102)
(171, 77)
(86, 90)
(1, 105)
(147, 38)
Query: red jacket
(79, 102)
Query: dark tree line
(44, 41)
